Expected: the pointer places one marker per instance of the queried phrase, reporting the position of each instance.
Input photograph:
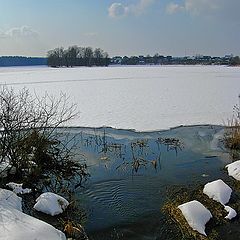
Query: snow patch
(17, 188)
(51, 203)
(231, 213)
(9, 198)
(6, 167)
(234, 170)
(218, 191)
(196, 215)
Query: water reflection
(131, 172)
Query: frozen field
(142, 98)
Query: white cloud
(201, 6)
(117, 10)
(174, 7)
(120, 10)
(20, 32)
(195, 7)
(141, 6)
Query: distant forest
(8, 61)
(77, 56)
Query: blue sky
(121, 27)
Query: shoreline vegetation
(87, 56)
(34, 153)
(231, 141)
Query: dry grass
(232, 135)
(74, 230)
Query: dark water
(132, 175)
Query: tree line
(77, 56)
(235, 61)
(170, 60)
(6, 61)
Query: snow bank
(17, 225)
(218, 191)
(234, 170)
(9, 198)
(17, 188)
(51, 203)
(196, 215)
(231, 213)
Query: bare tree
(28, 128)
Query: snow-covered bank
(14, 224)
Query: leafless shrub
(29, 139)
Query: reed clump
(232, 132)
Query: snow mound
(17, 188)
(51, 203)
(196, 215)
(17, 225)
(231, 213)
(218, 191)
(234, 170)
(9, 198)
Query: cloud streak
(118, 10)
(194, 7)
(19, 32)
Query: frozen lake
(141, 97)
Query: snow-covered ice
(231, 212)
(215, 143)
(17, 188)
(196, 215)
(51, 203)
(218, 191)
(234, 170)
(137, 97)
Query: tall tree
(88, 56)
